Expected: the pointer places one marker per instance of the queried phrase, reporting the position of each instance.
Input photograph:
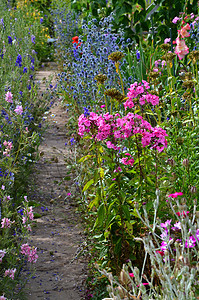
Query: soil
(58, 233)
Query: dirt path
(57, 234)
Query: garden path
(57, 234)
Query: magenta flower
(19, 109)
(182, 213)
(8, 97)
(164, 246)
(175, 20)
(190, 243)
(175, 195)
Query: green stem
(120, 75)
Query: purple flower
(9, 40)
(41, 20)
(33, 39)
(138, 54)
(18, 61)
(25, 70)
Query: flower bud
(193, 189)
(171, 162)
(124, 278)
(121, 292)
(185, 162)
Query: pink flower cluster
(8, 148)
(2, 254)
(8, 97)
(10, 273)
(19, 109)
(6, 223)
(128, 161)
(27, 217)
(114, 127)
(139, 92)
(189, 243)
(31, 253)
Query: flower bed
(137, 137)
(21, 111)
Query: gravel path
(58, 232)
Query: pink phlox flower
(177, 226)
(19, 109)
(8, 97)
(118, 169)
(2, 254)
(131, 275)
(127, 162)
(183, 31)
(167, 40)
(175, 20)
(175, 195)
(3, 297)
(146, 84)
(181, 49)
(10, 273)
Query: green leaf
(101, 214)
(87, 185)
(84, 158)
(94, 202)
(126, 212)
